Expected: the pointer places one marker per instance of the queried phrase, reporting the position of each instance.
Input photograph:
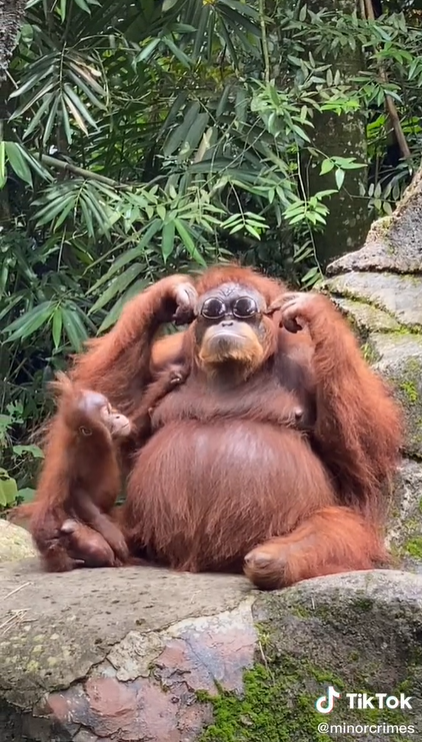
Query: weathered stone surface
(64, 624)
(196, 658)
(393, 243)
(379, 289)
(15, 543)
(118, 654)
(404, 536)
(358, 632)
(399, 359)
(366, 317)
(398, 295)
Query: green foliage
(18, 456)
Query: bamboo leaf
(35, 164)
(57, 326)
(26, 325)
(86, 89)
(242, 8)
(200, 36)
(114, 313)
(54, 208)
(76, 115)
(168, 5)
(74, 328)
(174, 110)
(227, 39)
(48, 87)
(38, 116)
(17, 162)
(79, 105)
(66, 123)
(195, 133)
(118, 284)
(88, 73)
(97, 211)
(135, 253)
(13, 301)
(222, 103)
(67, 206)
(179, 135)
(84, 6)
(25, 87)
(188, 242)
(41, 71)
(148, 50)
(3, 176)
(181, 56)
(87, 216)
(239, 19)
(167, 241)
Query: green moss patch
(414, 547)
(278, 705)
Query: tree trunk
(12, 13)
(343, 136)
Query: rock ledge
(144, 654)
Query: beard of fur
(246, 357)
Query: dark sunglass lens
(213, 308)
(245, 307)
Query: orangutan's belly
(200, 496)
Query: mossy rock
(148, 655)
(365, 318)
(404, 536)
(15, 543)
(356, 632)
(393, 242)
(399, 360)
(399, 296)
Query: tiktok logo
(325, 704)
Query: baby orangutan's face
(97, 405)
(119, 425)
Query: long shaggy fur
(286, 468)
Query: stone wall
(379, 289)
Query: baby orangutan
(70, 519)
(91, 546)
(80, 481)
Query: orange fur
(85, 546)
(287, 466)
(316, 547)
(80, 478)
(127, 347)
(164, 382)
(167, 349)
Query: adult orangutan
(272, 455)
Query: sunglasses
(242, 308)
